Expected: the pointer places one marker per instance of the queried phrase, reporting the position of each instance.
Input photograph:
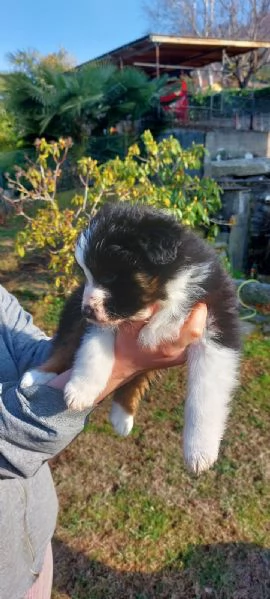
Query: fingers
(193, 328)
(191, 331)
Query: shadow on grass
(221, 571)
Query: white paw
(122, 421)
(78, 396)
(35, 377)
(199, 457)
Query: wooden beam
(202, 42)
(157, 61)
(162, 66)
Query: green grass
(258, 347)
(155, 527)
(151, 525)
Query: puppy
(137, 260)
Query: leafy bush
(79, 102)
(230, 101)
(157, 174)
(8, 138)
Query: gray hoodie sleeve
(35, 424)
(27, 345)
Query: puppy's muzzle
(89, 313)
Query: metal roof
(172, 52)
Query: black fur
(125, 240)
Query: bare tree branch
(230, 19)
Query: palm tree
(130, 92)
(79, 103)
(52, 103)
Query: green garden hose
(252, 311)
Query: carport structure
(164, 53)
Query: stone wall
(237, 143)
(246, 185)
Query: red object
(177, 102)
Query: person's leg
(42, 587)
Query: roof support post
(157, 61)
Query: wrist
(123, 371)
(60, 381)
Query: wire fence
(249, 111)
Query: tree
(182, 17)
(30, 61)
(249, 20)
(21, 88)
(78, 102)
(243, 67)
(232, 19)
(8, 138)
(158, 175)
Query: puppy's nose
(88, 313)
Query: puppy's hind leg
(212, 378)
(126, 402)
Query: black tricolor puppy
(135, 257)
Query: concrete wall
(186, 136)
(237, 143)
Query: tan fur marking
(58, 362)
(149, 286)
(63, 351)
(130, 395)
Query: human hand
(131, 359)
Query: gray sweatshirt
(34, 426)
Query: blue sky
(86, 28)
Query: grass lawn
(133, 523)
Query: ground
(133, 523)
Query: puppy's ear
(161, 245)
(80, 248)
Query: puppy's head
(128, 254)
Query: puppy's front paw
(122, 421)
(35, 377)
(77, 395)
(199, 457)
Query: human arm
(35, 423)
(26, 344)
(131, 359)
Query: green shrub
(158, 175)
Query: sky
(85, 28)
